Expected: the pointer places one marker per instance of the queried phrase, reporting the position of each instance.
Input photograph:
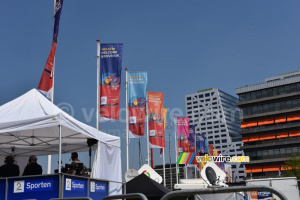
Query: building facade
(270, 116)
(215, 114)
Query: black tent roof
(145, 185)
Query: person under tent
(9, 169)
(32, 167)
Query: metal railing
(127, 196)
(188, 193)
(74, 198)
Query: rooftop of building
(282, 79)
(208, 89)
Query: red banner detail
(46, 81)
(109, 103)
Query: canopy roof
(30, 124)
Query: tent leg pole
(59, 153)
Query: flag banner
(200, 144)
(156, 119)
(183, 124)
(210, 150)
(185, 158)
(110, 80)
(191, 139)
(46, 81)
(205, 144)
(137, 94)
(57, 12)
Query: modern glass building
(215, 114)
(271, 123)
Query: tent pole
(59, 153)
(98, 79)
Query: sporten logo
(18, 186)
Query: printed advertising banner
(183, 124)
(137, 91)
(191, 138)
(75, 187)
(98, 189)
(200, 144)
(156, 119)
(110, 80)
(38, 188)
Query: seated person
(9, 169)
(75, 160)
(32, 167)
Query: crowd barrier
(52, 187)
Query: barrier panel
(2, 189)
(74, 186)
(34, 187)
(98, 189)
(56, 186)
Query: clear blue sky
(184, 46)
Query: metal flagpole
(140, 153)
(127, 138)
(170, 153)
(98, 87)
(147, 121)
(164, 168)
(52, 98)
(176, 149)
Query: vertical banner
(192, 139)
(137, 91)
(46, 81)
(110, 80)
(156, 119)
(183, 126)
(210, 150)
(200, 144)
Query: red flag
(156, 120)
(46, 82)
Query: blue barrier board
(98, 189)
(2, 189)
(39, 188)
(75, 186)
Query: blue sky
(184, 46)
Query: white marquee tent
(32, 125)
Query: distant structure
(271, 123)
(214, 113)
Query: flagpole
(98, 87)
(147, 121)
(170, 126)
(176, 149)
(127, 127)
(52, 97)
(164, 168)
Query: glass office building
(270, 115)
(214, 113)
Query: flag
(183, 124)
(57, 12)
(191, 139)
(46, 81)
(110, 80)
(200, 144)
(137, 94)
(156, 119)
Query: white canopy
(30, 125)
